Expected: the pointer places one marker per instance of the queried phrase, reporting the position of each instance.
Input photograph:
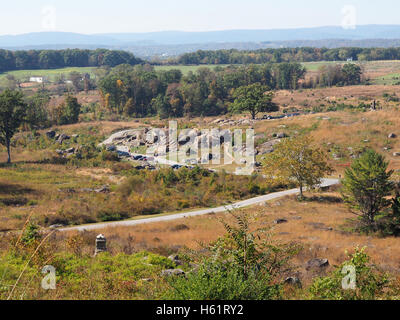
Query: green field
(389, 79)
(310, 66)
(314, 66)
(186, 69)
(389, 66)
(24, 75)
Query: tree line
(304, 54)
(142, 91)
(54, 59)
(347, 74)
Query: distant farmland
(24, 75)
(186, 69)
(379, 72)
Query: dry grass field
(320, 225)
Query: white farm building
(37, 79)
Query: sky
(105, 16)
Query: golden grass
(308, 224)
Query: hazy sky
(102, 16)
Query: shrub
(243, 265)
(31, 234)
(370, 283)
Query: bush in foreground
(243, 265)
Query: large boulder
(293, 281)
(51, 134)
(176, 260)
(280, 221)
(317, 264)
(62, 137)
(281, 135)
(123, 137)
(268, 147)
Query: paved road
(241, 204)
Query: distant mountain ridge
(181, 37)
(319, 33)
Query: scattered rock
(320, 226)
(392, 136)
(317, 264)
(293, 281)
(179, 227)
(280, 221)
(173, 272)
(396, 154)
(62, 137)
(103, 189)
(51, 134)
(176, 260)
(56, 226)
(281, 135)
(67, 190)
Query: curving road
(241, 204)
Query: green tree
(76, 79)
(253, 98)
(288, 75)
(296, 159)
(129, 108)
(68, 112)
(12, 114)
(351, 74)
(36, 111)
(367, 185)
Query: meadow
(186, 69)
(51, 74)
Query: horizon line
(183, 31)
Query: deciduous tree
(253, 98)
(12, 114)
(296, 159)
